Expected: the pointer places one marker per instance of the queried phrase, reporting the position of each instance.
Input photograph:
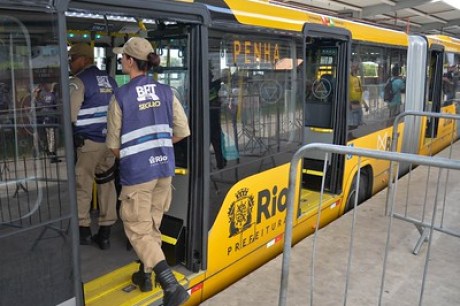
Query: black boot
(173, 293)
(142, 279)
(85, 235)
(102, 238)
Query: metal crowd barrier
(429, 220)
(419, 223)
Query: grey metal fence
(425, 207)
(413, 117)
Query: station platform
(375, 272)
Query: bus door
(433, 101)
(38, 255)
(327, 51)
(176, 33)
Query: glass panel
(173, 52)
(372, 68)
(450, 84)
(321, 83)
(30, 115)
(431, 79)
(174, 57)
(255, 106)
(34, 206)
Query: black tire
(363, 193)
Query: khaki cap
(82, 50)
(136, 47)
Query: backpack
(388, 93)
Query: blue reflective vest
(92, 117)
(146, 151)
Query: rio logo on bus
(261, 213)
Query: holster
(107, 176)
(78, 140)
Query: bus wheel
(362, 194)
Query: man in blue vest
(145, 119)
(90, 93)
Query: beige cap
(136, 47)
(82, 50)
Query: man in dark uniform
(215, 121)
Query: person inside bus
(45, 99)
(215, 107)
(398, 86)
(449, 85)
(90, 93)
(53, 133)
(356, 97)
(4, 99)
(145, 120)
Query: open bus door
(178, 36)
(433, 102)
(327, 52)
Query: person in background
(90, 93)
(398, 86)
(356, 98)
(215, 106)
(45, 99)
(52, 133)
(145, 120)
(449, 85)
(4, 99)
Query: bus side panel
(446, 133)
(251, 219)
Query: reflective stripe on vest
(149, 137)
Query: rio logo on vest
(154, 160)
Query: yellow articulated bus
(257, 81)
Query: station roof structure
(411, 16)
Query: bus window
(450, 80)
(374, 70)
(321, 85)
(255, 108)
(433, 103)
